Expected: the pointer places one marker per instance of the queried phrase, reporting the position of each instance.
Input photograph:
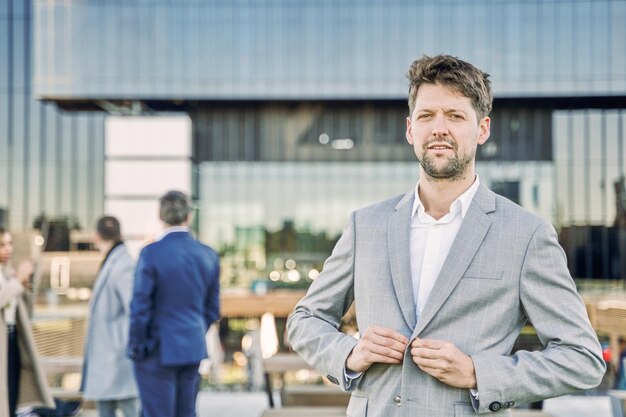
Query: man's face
(6, 247)
(445, 132)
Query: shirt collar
(464, 200)
(173, 229)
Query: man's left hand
(444, 361)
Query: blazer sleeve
(313, 328)
(212, 297)
(571, 359)
(141, 338)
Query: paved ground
(252, 404)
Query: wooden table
(280, 303)
(306, 412)
(279, 364)
(607, 314)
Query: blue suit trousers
(166, 391)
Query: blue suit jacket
(175, 300)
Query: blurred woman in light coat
(24, 379)
(108, 377)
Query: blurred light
(278, 263)
(342, 144)
(313, 273)
(72, 293)
(246, 342)
(324, 139)
(269, 338)
(303, 375)
(240, 359)
(290, 264)
(83, 293)
(39, 240)
(274, 275)
(293, 275)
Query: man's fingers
(386, 338)
(387, 351)
(429, 343)
(390, 333)
(431, 353)
(431, 363)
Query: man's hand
(377, 345)
(445, 362)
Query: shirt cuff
(474, 398)
(350, 376)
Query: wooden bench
(279, 364)
(314, 395)
(341, 412)
(306, 412)
(56, 365)
(529, 413)
(618, 402)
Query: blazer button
(397, 399)
(509, 404)
(332, 379)
(495, 406)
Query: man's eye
(457, 116)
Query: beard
(452, 170)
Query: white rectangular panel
(146, 178)
(148, 136)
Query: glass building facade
(298, 111)
(51, 161)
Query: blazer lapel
(471, 234)
(398, 243)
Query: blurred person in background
(108, 376)
(620, 374)
(444, 278)
(175, 300)
(24, 379)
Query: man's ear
(484, 130)
(409, 136)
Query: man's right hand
(377, 345)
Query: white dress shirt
(172, 229)
(431, 241)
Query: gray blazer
(107, 372)
(504, 268)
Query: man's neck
(438, 195)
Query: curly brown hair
(456, 74)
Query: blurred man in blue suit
(175, 300)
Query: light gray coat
(504, 268)
(34, 388)
(107, 372)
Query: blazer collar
(398, 243)
(467, 242)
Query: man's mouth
(440, 147)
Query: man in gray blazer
(108, 376)
(444, 278)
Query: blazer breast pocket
(475, 274)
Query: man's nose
(440, 128)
